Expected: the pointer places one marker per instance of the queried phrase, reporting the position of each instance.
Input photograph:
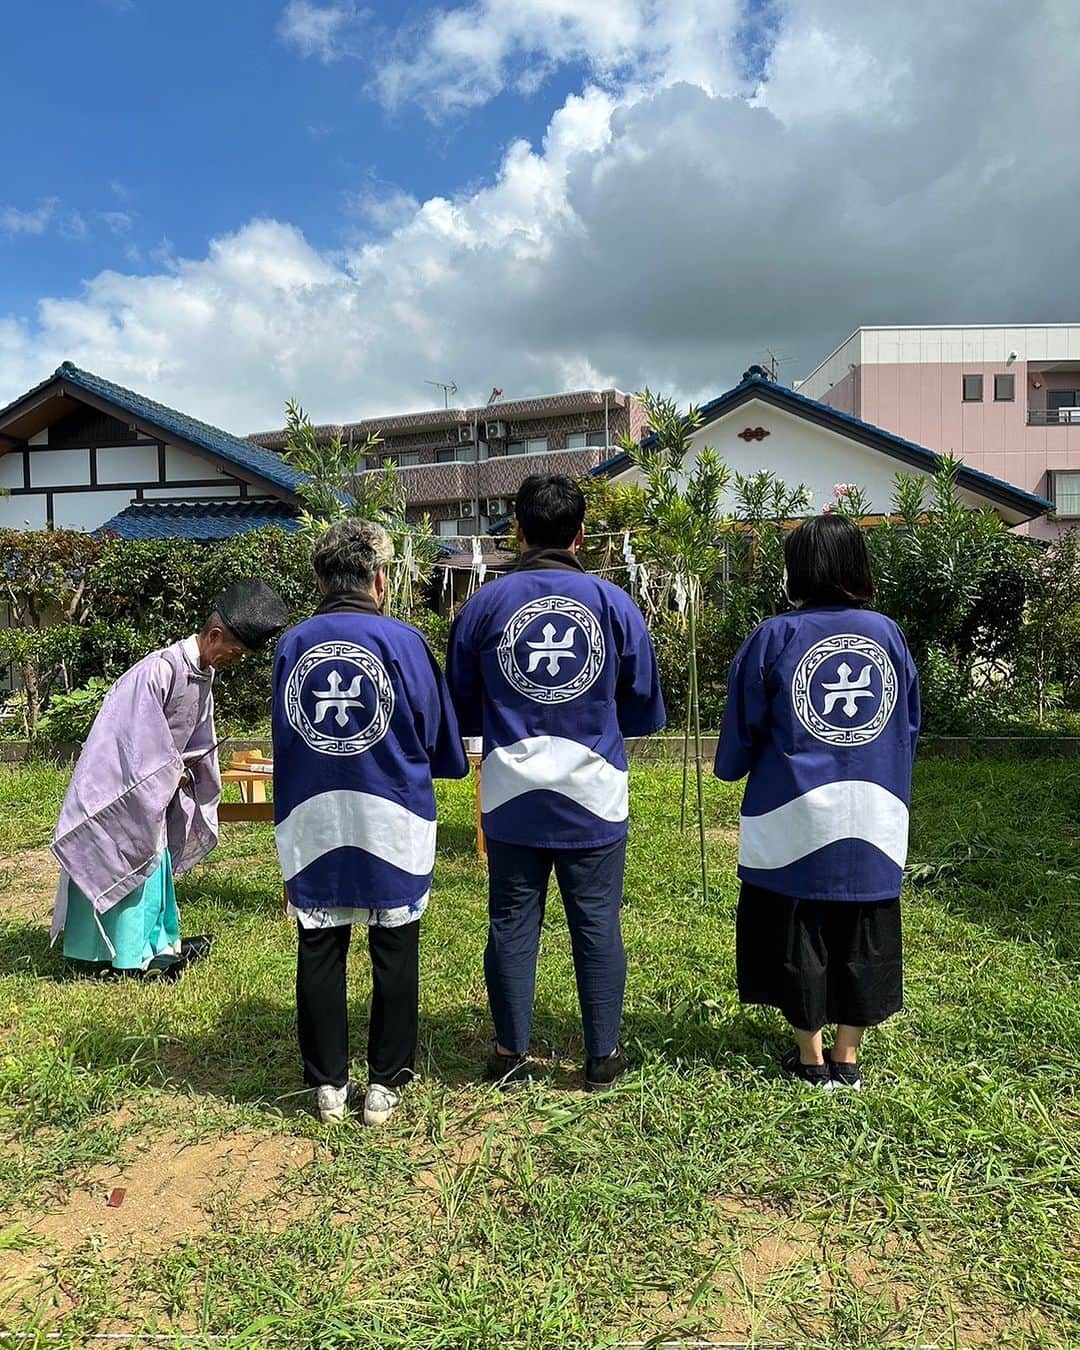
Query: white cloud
(36, 220)
(460, 58)
(662, 233)
(118, 222)
(383, 205)
(319, 30)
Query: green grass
(704, 1198)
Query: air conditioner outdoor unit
(495, 431)
(467, 511)
(465, 434)
(497, 506)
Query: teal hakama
(143, 925)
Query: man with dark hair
(362, 723)
(143, 800)
(554, 667)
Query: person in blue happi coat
(362, 722)
(823, 715)
(554, 667)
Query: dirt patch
(28, 884)
(173, 1190)
(723, 834)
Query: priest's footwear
(195, 948)
(602, 1074)
(332, 1103)
(380, 1103)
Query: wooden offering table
(252, 782)
(253, 806)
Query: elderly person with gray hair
(362, 723)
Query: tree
(1050, 634)
(43, 579)
(338, 486)
(683, 510)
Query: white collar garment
(194, 656)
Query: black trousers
(820, 961)
(322, 1013)
(591, 883)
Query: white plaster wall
(86, 510)
(182, 466)
(11, 470)
(59, 468)
(40, 438)
(127, 464)
(798, 452)
(23, 513)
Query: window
(1066, 493)
(448, 529)
(533, 447)
(580, 440)
(972, 388)
(1061, 405)
(456, 454)
(1004, 388)
(409, 459)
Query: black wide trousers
(322, 1012)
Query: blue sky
(224, 205)
(162, 125)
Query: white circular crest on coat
(354, 696)
(533, 655)
(858, 709)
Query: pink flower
(842, 489)
(827, 510)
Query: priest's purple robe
(144, 781)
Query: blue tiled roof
(756, 386)
(233, 449)
(199, 520)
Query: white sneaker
(331, 1102)
(380, 1104)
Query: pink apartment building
(1004, 399)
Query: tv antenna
(447, 387)
(773, 362)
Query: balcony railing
(467, 455)
(1053, 417)
(497, 476)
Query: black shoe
(195, 948)
(603, 1074)
(845, 1075)
(164, 968)
(814, 1075)
(170, 968)
(508, 1071)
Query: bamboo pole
(697, 746)
(686, 756)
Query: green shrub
(71, 714)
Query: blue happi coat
(362, 722)
(553, 667)
(823, 714)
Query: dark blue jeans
(591, 882)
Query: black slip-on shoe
(603, 1074)
(508, 1071)
(195, 948)
(813, 1075)
(845, 1075)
